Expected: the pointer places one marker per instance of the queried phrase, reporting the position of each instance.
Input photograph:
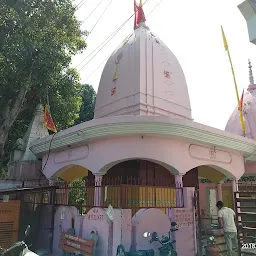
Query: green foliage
(77, 192)
(88, 103)
(37, 41)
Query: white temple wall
(177, 155)
(128, 230)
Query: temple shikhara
(144, 161)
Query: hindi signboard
(76, 245)
(183, 217)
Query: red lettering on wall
(167, 74)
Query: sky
(192, 31)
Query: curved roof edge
(142, 125)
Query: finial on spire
(251, 79)
(139, 14)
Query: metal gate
(198, 221)
(9, 222)
(27, 206)
(245, 208)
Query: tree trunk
(11, 114)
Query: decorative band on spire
(139, 14)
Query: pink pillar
(234, 189)
(234, 185)
(219, 192)
(179, 190)
(97, 191)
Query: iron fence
(120, 192)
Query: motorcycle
(19, 248)
(167, 248)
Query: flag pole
(235, 83)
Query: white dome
(143, 77)
(249, 113)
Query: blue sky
(192, 31)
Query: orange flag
(241, 102)
(139, 14)
(48, 121)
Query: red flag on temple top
(48, 121)
(139, 14)
(241, 102)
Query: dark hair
(219, 204)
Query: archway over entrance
(140, 183)
(140, 172)
(70, 173)
(208, 181)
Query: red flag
(48, 121)
(241, 102)
(139, 14)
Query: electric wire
(99, 19)
(105, 42)
(49, 151)
(96, 69)
(108, 38)
(80, 4)
(92, 11)
(153, 9)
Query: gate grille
(6, 234)
(9, 222)
(245, 207)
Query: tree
(37, 41)
(86, 112)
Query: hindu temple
(146, 156)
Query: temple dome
(143, 77)
(249, 112)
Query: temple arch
(108, 167)
(70, 173)
(212, 172)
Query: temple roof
(142, 77)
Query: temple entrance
(132, 184)
(210, 187)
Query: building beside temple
(248, 10)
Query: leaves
(88, 103)
(37, 41)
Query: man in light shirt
(226, 219)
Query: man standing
(226, 219)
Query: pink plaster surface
(96, 220)
(149, 220)
(185, 236)
(233, 124)
(150, 80)
(250, 169)
(171, 153)
(61, 226)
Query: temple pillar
(98, 190)
(234, 183)
(179, 190)
(219, 191)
